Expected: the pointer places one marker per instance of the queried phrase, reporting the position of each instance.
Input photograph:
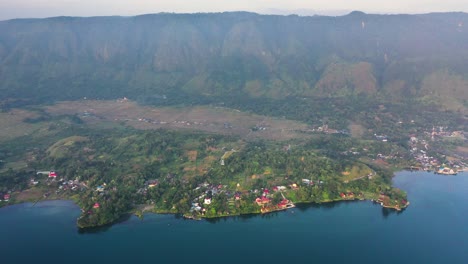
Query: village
(48, 180)
(420, 149)
(265, 199)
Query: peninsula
(212, 115)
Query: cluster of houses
(420, 147)
(308, 182)
(206, 197)
(350, 195)
(446, 170)
(102, 189)
(210, 191)
(444, 132)
(385, 201)
(420, 155)
(65, 185)
(69, 185)
(264, 201)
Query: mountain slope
(242, 54)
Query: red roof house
(96, 205)
(262, 201)
(283, 203)
(52, 174)
(6, 197)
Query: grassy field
(208, 119)
(356, 172)
(12, 125)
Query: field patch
(12, 124)
(217, 120)
(356, 172)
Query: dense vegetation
(186, 167)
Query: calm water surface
(434, 229)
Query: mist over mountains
(238, 54)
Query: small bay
(433, 229)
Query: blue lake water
(434, 229)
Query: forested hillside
(151, 57)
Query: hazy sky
(46, 8)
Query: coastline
(352, 225)
(146, 210)
(142, 209)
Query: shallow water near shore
(433, 229)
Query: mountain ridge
(240, 53)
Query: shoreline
(139, 211)
(146, 210)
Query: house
(6, 197)
(266, 192)
(100, 188)
(342, 195)
(275, 188)
(237, 196)
(262, 201)
(195, 207)
(152, 184)
(207, 201)
(96, 205)
(283, 204)
(52, 174)
(281, 188)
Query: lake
(433, 229)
